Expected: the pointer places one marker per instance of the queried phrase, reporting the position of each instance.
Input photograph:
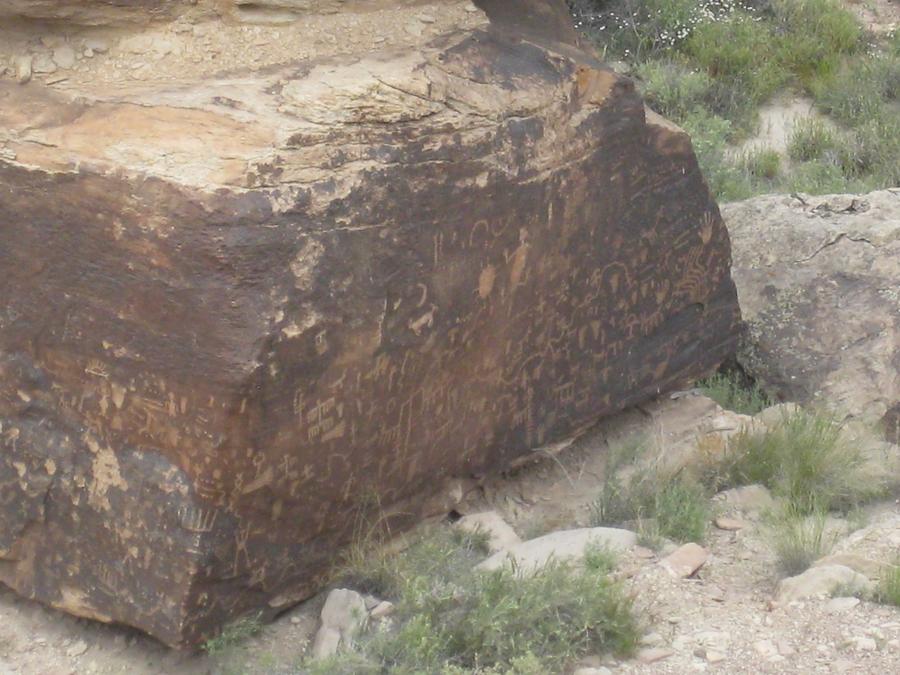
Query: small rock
(621, 67)
(43, 64)
(729, 524)
(602, 670)
(427, 18)
(766, 649)
(343, 615)
(96, 45)
(714, 639)
(654, 654)
(23, 68)
(77, 649)
(865, 644)
(713, 656)
(748, 498)
(371, 602)
(685, 560)
(564, 546)
(326, 644)
(295, 620)
(643, 552)
(820, 582)
(652, 639)
(716, 594)
(784, 647)
(383, 609)
(501, 537)
(865, 566)
(64, 56)
(836, 605)
(776, 414)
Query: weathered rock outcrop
(819, 284)
(250, 283)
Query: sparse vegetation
(709, 64)
(733, 392)
(888, 589)
(803, 459)
(798, 539)
(452, 619)
(227, 649)
(660, 505)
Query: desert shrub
(452, 618)
(888, 590)
(710, 134)
(798, 539)
(803, 459)
(233, 635)
(860, 90)
(817, 178)
(814, 36)
(738, 52)
(812, 139)
(733, 392)
(673, 89)
(640, 29)
(762, 163)
(660, 505)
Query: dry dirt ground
(721, 620)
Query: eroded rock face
(819, 283)
(236, 307)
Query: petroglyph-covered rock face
(239, 300)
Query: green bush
(798, 539)
(811, 139)
(818, 178)
(672, 89)
(451, 618)
(814, 36)
(762, 163)
(860, 89)
(233, 635)
(709, 64)
(658, 504)
(732, 393)
(739, 52)
(710, 134)
(888, 589)
(803, 459)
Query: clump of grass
(233, 635)
(661, 505)
(733, 392)
(811, 139)
(451, 618)
(673, 89)
(817, 178)
(803, 459)
(738, 52)
(814, 35)
(711, 134)
(762, 163)
(798, 539)
(888, 590)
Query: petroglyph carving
(211, 366)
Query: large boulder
(819, 285)
(258, 288)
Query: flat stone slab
(569, 546)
